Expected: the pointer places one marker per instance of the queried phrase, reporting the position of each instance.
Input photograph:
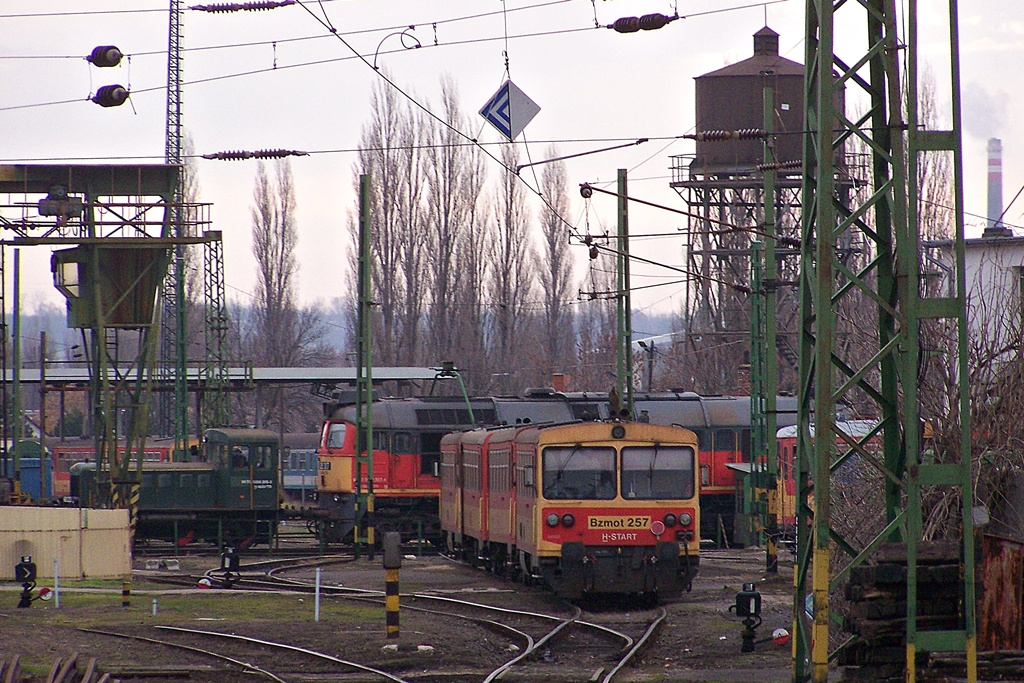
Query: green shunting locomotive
(228, 492)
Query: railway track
(570, 649)
(545, 645)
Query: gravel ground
(699, 641)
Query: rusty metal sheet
(1002, 594)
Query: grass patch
(98, 610)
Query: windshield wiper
(561, 468)
(654, 459)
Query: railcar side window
(578, 472)
(657, 472)
(336, 436)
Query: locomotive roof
(240, 435)
(451, 413)
(857, 429)
(708, 412)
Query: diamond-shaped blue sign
(509, 110)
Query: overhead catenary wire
(333, 31)
(730, 227)
(572, 228)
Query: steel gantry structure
(173, 334)
(886, 219)
(118, 224)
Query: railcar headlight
(552, 519)
(568, 520)
(686, 519)
(670, 520)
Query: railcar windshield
(579, 473)
(657, 472)
(336, 435)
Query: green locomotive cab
(247, 464)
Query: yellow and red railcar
(585, 507)
(864, 432)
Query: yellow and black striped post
(126, 593)
(391, 601)
(392, 563)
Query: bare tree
(510, 256)
(556, 270)
(195, 320)
(472, 268)
(391, 153)
(280, 334)
(274, 238)
(455, 181)
(595, 341)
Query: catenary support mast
(884, 222)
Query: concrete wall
(87, 543)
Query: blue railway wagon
(299, 466)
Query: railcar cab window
(578, 473)
(336, 435)
(657, 472)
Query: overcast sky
(595, 87)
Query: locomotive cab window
(336, 435)
(430, 445)
(657, 472)
(238, 457)
(403, 442)
(578, 472)
(725, 440)
(262, 457)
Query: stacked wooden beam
(878, 608)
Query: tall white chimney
(993, 226)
